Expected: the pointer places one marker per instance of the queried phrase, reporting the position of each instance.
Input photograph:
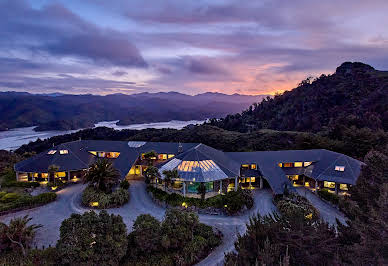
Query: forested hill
(355, 95)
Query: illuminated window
(280, 164)
(63, 152)
(253, 179)
(93, 152)
(340, 168)
(101, 154)
(245, 166)
(61, 174)
(162, 156)
(253, 166)
(305, 164)
(288, 165)
(35, 175)
(44, 175)
(52, 152)
(329, 184)
(298, 164)
(343, 186)
(170, 156)
(293, 177)
(112, 154)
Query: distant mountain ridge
(57, 111)
(356, 95)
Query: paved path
(68, 202)
(326, 211)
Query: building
(198, 163)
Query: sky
(246, 47)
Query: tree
(92, 239)
(102, 175)
(52, 172)
(151, 173)
(146, 234)
(17, 234)
(201, 189)
(149, 156)
(169, 176)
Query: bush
(296, 206)
(235, 201)
(59, 184)
(92, 239)
(21, 201)
(329, 196)
(124, 184)
(2, 194)
(10, 197)
(20, 184)
(105, 200)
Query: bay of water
(14, 138)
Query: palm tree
(52, 172)
(169, 176)
(151, 173)
(201, 189)
(102, 175)
(18, 233)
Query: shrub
(105, 200)
(20, 184)
(2, 194)
(26, 201)
(10, 197)
(296, 206)
(124, 184)
(57, 183)
(92, 239)
(329, 196)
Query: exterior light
(54, 188)
(184, 204)
(94, 204)
(226, 206)
(309, 216)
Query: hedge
(20, 184)
(19, 201)
(329, 196)
(295, 205)
(232, 202)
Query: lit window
(93, 152)
(298, 164)
(288, 165)
(170, 156)
(343, 186)
(340, 168)
(44, 175)
(52, 152)
(253, 179)
(61, 174)
(280, 164)
(245, 166)
(305, 164)
(293, 177)
(329, 184)
(101, 154)
(253, 166)
(63, 152)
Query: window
(170, 156)
(245, 166)
(288, 165)
(305, 164)
(63, 152)
(298, 164)
(253, 166)
(61, 174)
(343, 186)
(340, 168)
(93, 152)
(101, 154)
(280, 164)
(44, 175)
(253, 179)
(329, 184)
(52, 152)
(293, 177)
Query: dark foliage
(92, 239)
(124, 184)
(329, 196)
(114, 199)
(180, 239)
(102, 175)
(16, 201)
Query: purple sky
(121, 46)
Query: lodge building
(198, 163)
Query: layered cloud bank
(249, 47)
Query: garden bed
(294, 205)
(92, 197)
(11, 202)
(231, 203)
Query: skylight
(63, 151)
(52, 152)
(340, 168)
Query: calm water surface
(14, 138)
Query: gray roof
(211, 164)
(322, 167)
(202, 164)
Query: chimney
(180, 148)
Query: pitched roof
(202, 164)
